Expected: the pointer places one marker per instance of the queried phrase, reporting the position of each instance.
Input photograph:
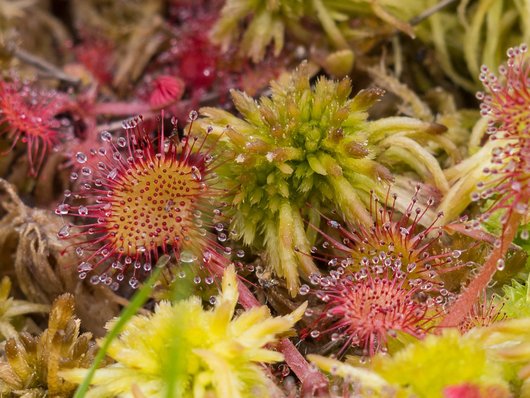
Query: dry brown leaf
(28, 239)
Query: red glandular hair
(395, 242)
(365, 311)
(145, 197)
(385, 278)
(28, 115)
(507, 106)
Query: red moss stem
(121, 108)
(314, 383)
(312, 380)
(464, 304)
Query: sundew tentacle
(145, 198)
(27, 115)
(367, 309)
(506, 105)
(382, 279)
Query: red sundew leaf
(507, 105)
(145, 197)
(166, 90)
(28, 115)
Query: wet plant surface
(264, 198)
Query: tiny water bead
(150, 197)
(303, 290)
(81, 157)
(64, 232)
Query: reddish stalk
(506, 104)
(313, 381)
(121, 108)
(463, 305)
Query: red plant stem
(314, 384)
(465, 301)
(312, 380)
(246, 298)
(121, 108)
(479, 235)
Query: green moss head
(428, 367)
(304, 145)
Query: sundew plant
(264, 198)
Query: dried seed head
(31, 365)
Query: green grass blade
(135, 304)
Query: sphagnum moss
(208, 353)
(309, 145)
(11, 308)
(32, 364)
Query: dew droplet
(219, 227)
(134, 283)
(334, 224)
(84, 267)
(64, 231)
(193, 115)
(80, 157)
(335, 336)
(63, 208)
(112, 175)
(303, 290)
(106, 136)
(403, 231)
(195, 173)
(187, 257)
